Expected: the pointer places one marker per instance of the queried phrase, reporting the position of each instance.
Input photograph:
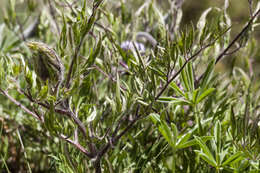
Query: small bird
(47, 64)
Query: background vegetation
(189, 103)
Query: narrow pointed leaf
(184, 76)
(208, 73)
(205, 149)
(176, 88)
(205, 94)
(207, 158)
(190, 76)
(232, 158)
(192, 142)
(174, 100)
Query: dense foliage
(122, 86)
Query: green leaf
(159, 14)
(207, 158)
(92, 116)
(44, 92)
(205, 94)
(29, 77)
(118, 94)
(192, 142)
(173, 100)
(190, 76)
(155, 118)
(233, 121)
(208, 73)
(5, 164)
(175, 133)
(232, 158)
(164, 129)
(202, 21)
(176, 88)
(63, 36)
(142, 102)
(195, 95)
(140, 59)
(93, 55)
(206, 152)
(217, 136)
(158, 72)
(245, 77)
(86, 29)
(184, 76)
(122, 53)
(166, 132)
(183, 139)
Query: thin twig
(17, 103)
(233, 51)
(237, 37)
(186, 62)
(79, 123)
(115, 139)
(225, 51)
(47, 106)
(69, 113)
(180, 70)
(77, 145)
(137, 117)
(76, 136)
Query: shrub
(81, 90)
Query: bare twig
(225, 51)
(179, 71)
(106, 29)
(77, 145)
(233, 51)
(76, 136)
(221, 55)
(186, 62)
(115, 138)
(61, 111)
(17, 103)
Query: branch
(115, 139)
(69, 113)
(225, 51)
(179, 71)
(17, 103)
(79, 123)
(237, 37)
(77, 145)
(61, 111)
(186, 62)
